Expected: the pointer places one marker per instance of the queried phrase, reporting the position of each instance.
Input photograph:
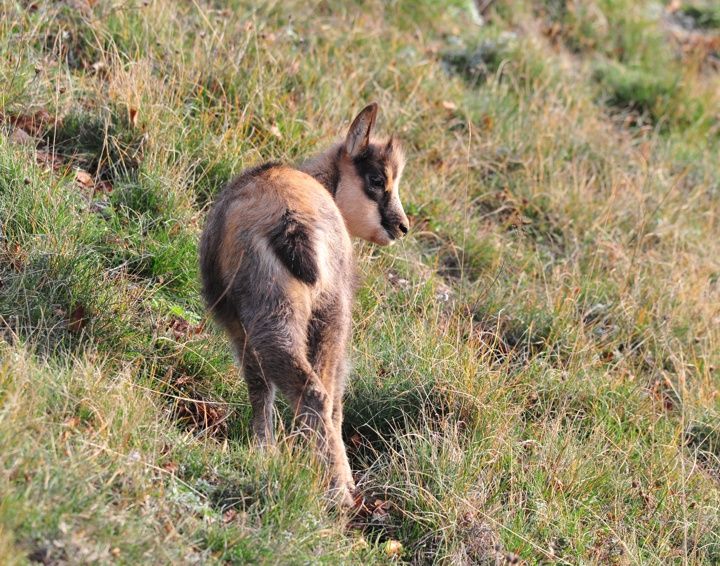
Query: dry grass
(535, 367)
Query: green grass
(702, 16)
(535, 367)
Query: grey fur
(278, 274)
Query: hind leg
(341, 371)
(261, 391)
(280, 348)
(262, 398)
(313, 407)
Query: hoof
(342, 497)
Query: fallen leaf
(202, 415)
(133, 115)
(34, 124)
(84, 179)
(393, 548)
(170, 466)
(183, 380)
(104, 187)
(356, 440)
(181, 327)
(359, 504)
(77, 319)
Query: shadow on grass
(104, 144)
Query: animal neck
(325, 168)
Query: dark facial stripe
(385, 219)
(369, 165)
(372, 163)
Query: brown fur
(277, 267)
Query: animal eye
(377, 181)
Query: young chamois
(278, 274)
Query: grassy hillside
(535, 367)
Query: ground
(535, 367)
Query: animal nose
(403, 228)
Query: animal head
(367, 193)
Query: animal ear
(358, 136)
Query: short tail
(292, 243)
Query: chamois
(278, 274)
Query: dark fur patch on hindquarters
(290, 240)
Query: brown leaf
(356, 440)
(77, 319)
(380, 512)
(170, 466)
(487, 122)
(394, 548)
(84, 179)
(202, 415)
(183, 380)
(34, 124)
(181, 327)
(104, 187)
(359, 504)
